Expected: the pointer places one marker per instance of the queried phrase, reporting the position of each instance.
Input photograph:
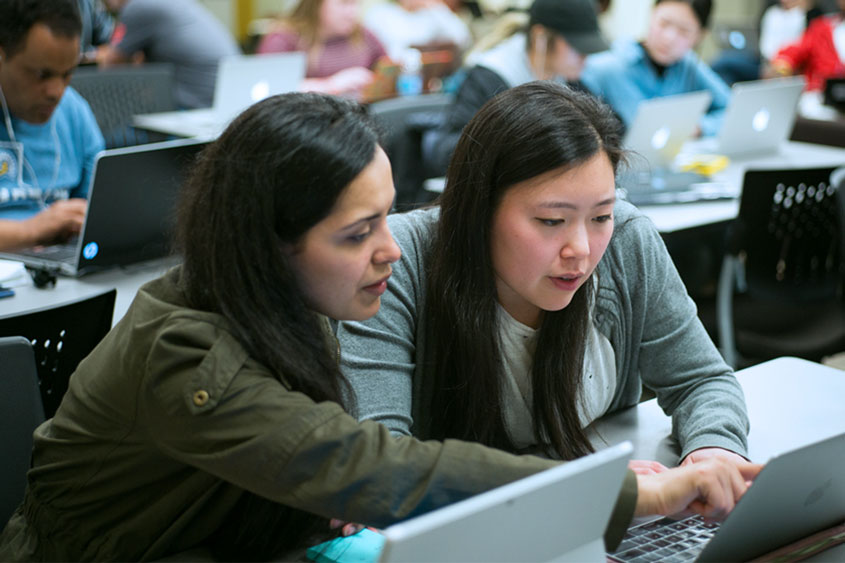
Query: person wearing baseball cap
(662, 64)
(550, 44)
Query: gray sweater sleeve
(645, 311)
(378, 355)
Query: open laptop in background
(559, 514)
(129, 219)
(241, 81)
(797, 494)
(655, 138)
(662, 126)
(759, 117)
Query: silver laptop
(662, 126)
(241, 81)
(131, 204)
(760, 116)
(797, 494)
(556, 515)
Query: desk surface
(670, 218)
(127, 280)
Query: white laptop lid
(243, 80)
(796, 494)
(662, 126)
(556, 515)
(760, 115)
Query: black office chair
(404, 119)
(780, 289)
(61, 337)
(116, 94)
(20, 413)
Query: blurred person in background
(552, 46)
(342, 53)
(818, 54)
(181, 32)
(662, 64)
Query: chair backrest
(61, 337)
(20, 413)
(115, 94)
(403, 121)
(788, 233)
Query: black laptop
(130, 210)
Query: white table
(126, 280)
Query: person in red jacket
(819, 54)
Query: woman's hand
(646, 467)
(710, 487)
(706, 453)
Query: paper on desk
(13, 273)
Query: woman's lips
(379, 287)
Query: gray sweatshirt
(642, 308)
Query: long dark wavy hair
(275, 172)
(518, 135)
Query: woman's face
(673, 31)
(343, 262)
(338, 18)
(548, 235)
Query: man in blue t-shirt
(48, 137)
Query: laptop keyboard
(665, 540)
(56, 252)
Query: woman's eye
(359, 237)
(550, 222)
(603, 218)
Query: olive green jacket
(168, 422)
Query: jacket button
(200, 397)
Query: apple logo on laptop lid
(259, 91)
(760, 120)
(660, 138)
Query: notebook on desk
(241, 81)
(760, 116)
(797, 494)
(130, 210)
(559, 514)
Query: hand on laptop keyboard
(710, 488)
(57, 223)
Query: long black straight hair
(275, 172)
(518, 135)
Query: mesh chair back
(20, 413)
(116, 94)
(403, 121)
(788, 233)
(61, 337)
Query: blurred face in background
(673, 31)
(339, 18)
(553, 57)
